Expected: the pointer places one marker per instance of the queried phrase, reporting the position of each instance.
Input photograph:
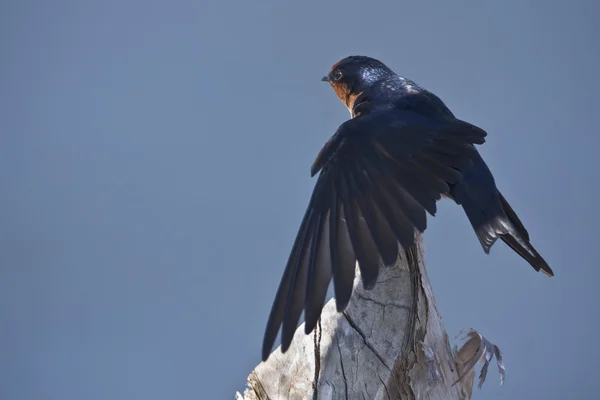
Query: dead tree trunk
(389, 344)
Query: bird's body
(380, 173)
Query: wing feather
(379, 175)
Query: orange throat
(343, 93)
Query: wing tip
(265, 354)
(314, 169)
(370, 282)
(267, 347)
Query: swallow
(380, 174)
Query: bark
(389, 344)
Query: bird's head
(352, 76)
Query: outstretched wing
(380, 174)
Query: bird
(380, 174)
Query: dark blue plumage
(379, 175)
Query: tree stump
(388, 344)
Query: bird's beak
(325, 79)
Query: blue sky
(154, 166)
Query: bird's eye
(337, 75)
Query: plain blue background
(154, 169)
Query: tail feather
(503, 223)
(512, 215)
(529, 253)
(517, 239)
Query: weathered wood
(389, 344)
